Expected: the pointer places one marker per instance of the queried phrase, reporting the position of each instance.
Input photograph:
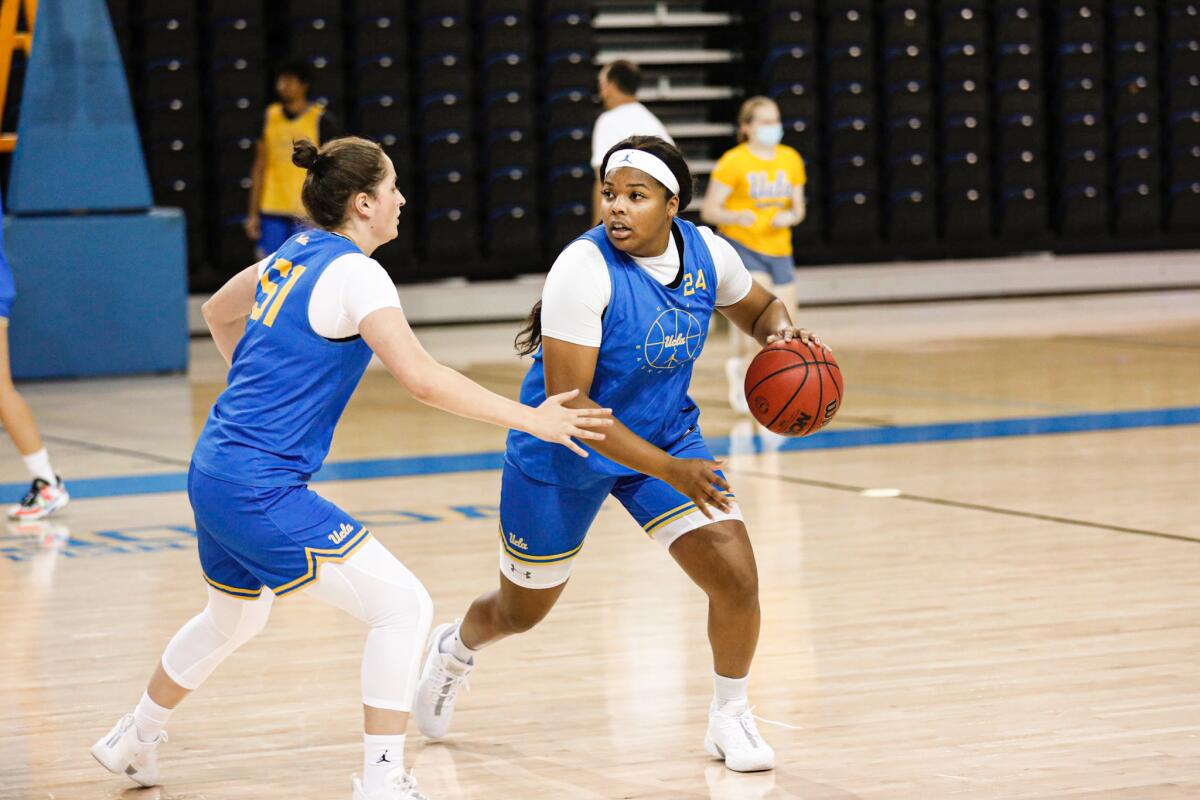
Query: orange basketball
(794, 388)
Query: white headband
(648, 163)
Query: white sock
(150, 718)
(730, 690)
(452, 643)
(382, 753)
(38, 465)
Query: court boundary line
(440, 464)
(942, 501)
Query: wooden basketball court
(983, 581)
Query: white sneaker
(441, 678)
(120, 751)
(42, 500)
(733, 737)
(735, 373)
(398, 785)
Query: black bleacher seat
(1023, 212)
(451, 234)
(445, 73)
(911, 216)
(1137, 208)
(445, 150)
(912, 170)
(445, 111)
(567, 222)
(967, 214)
(514, 231)
(170, 37)
(452, 188)
(512, 185)
(380, 35)
(569, 184)
(508, 109)
(569, 69)
(1137, 165)
(169, 79)
(444, 33)
(1082, 166)
(502, 72)
(380, 74)
(507, 33)
(853, 218)
(1083, 210)
(563, 145)
(1183, 213)
(793, 26)
(570, 108)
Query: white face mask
(769, 135)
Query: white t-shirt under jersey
(627, 119)
(350, 288)
(578, 287)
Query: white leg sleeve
(224, 625)
(373, 586)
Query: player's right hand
(253, 226)
(697, 479)
(555, 423)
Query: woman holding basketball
(298, 329)
(623, 317)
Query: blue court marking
(124, 485)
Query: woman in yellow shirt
(755, 196)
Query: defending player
(624, 315)
(298, 330)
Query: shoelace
(749, 713)
(407, 782)
(34, 490)
(442, 676)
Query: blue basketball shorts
(273, 536)
(276, 229)
(543, 525)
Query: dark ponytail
(340, 169)
(530, 337)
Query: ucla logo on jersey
(674, 339)
(338, 536)
(517, 541)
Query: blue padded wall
(78, 146)
(99, 294)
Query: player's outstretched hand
(697, 478)
(789, 333)
(554, 422)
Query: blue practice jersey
(650, 339)
(288, 385)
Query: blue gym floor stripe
(124, 485)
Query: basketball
(794, 388)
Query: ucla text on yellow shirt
(764, 187)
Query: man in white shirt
(623, 117)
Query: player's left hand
(791, 332)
